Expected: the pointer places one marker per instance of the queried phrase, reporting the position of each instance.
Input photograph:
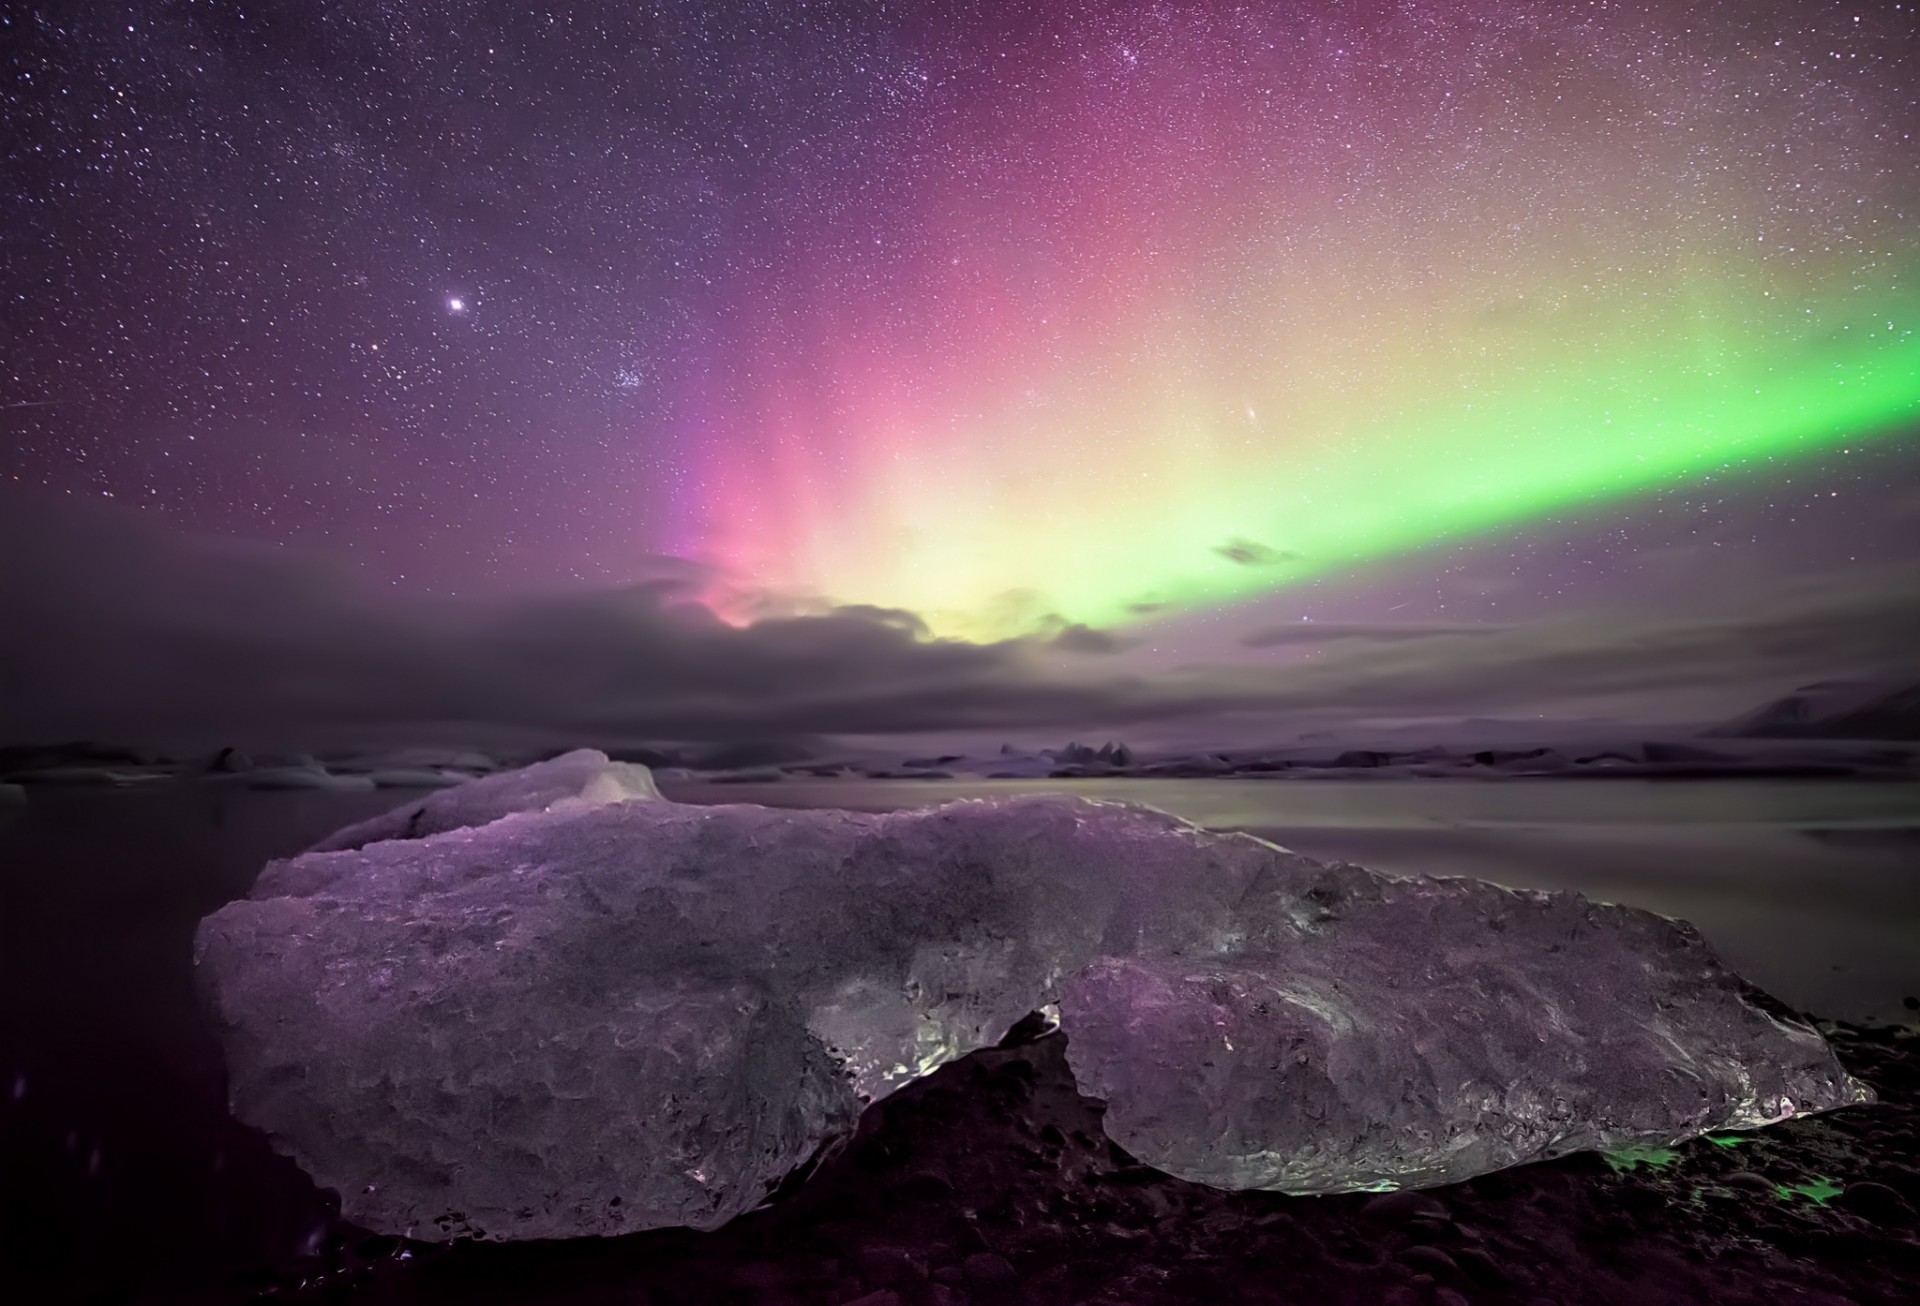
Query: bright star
(457, 305)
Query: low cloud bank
(117, 628)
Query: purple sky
(396, 302)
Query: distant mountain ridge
(1834, 709)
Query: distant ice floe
(303, 773)
(549, 1003)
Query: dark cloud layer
(1252, 553)
(117, 629)
(1078, 638)
(1328, 632)
(1852, 624)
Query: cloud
(1078, 638)
(124, 630)
(1252, 553)
(1771, 636)
(1327, 632)
(117, 629)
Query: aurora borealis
(1230, 297)
(1416, 420)
(1007, 316)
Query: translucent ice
(589, 1019)
(573, 781)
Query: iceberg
(573, 781)
(549, 1003)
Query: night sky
(1137, 334)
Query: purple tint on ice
(579, 1009)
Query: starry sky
(1152, 331)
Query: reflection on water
(1809, 889)
(1394, 804)
(1812, 889)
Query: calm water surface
(1810, 889)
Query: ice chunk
(578, 780)
(517, 1023)
(1384, 1034)
(415, 778)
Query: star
(457, 305)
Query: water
(117, 1157)
(1809, 889)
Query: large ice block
(595, 1019)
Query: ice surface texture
(598, 1019)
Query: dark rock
(1033, 1025)
(1428, 1260)
(1876, 1202)
(762, 1278)
(880, 1297)
(1427, 1228)
(1109, 754)
(925, 1185)
(1398, 1208)
(1508, 756)
(1194, 767)
(888, 1267)
(988, 1272)
(1656, 751)
(1480, 1265)
(229, 761)
(1362, 757)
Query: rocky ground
(989, 1182)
